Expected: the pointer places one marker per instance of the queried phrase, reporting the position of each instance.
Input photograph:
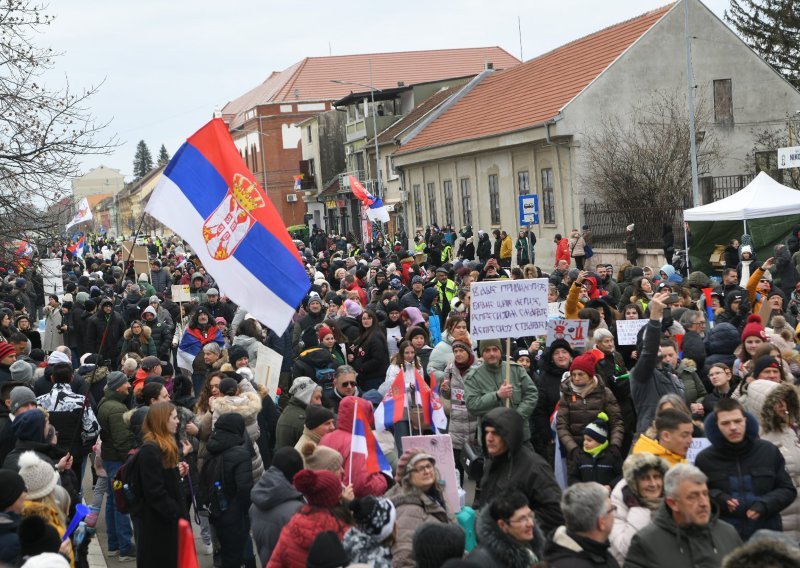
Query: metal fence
(608, 225)
(720, 187)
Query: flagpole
(508, 368)
(406, 396)
(352, 437)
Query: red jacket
(562, 251)
(362, 295)
(297, 536)
(364, 483)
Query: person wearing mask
(507, 534)
(583, 539)
(229, 440)
(748, 481)
(686, 529)
(636, 498)
(159, 471)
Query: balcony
(363, 126)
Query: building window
(548, 198)
(494, 200)
(524, 182)
(255, 161)
(447, 189)
(308, 133)
(466, 208)
(432, 203)
(723, 102)
(417, 205)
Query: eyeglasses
(349, 384)
(764, 280)
(529, 518)
(611, 509)
(423, 468)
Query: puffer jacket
(663, 544)
(576, 412)
(414, 508)
(577, 244)
(117, 438)
(230, 440)
(463, 426)
(752, 471)
(146, 344)
(721, 342)
(548, 383)
(274, 502)
(693, 388)
(754, 395)
(786, 440)
(364, 482)
(248, 404)
(498, 550)
(520, 468)
(162, 334)
(298, 536)
(290, 423)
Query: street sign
(789, 157)
(529, 209)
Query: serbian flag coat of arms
(209, 197)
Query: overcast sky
(168, 65)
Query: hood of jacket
(86, 371)
(723, 339)
(664, 520)
(347, 409)
(273, 489)
(714, 434)
(508, 423)
(635, 464)
(128, 335)
(785, 392)
(247, 404)
(29, 426)
(305, 526)
(546, 364)
(414, 315)
(505, 549)
(229, 432)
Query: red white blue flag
(390, 410)
(77, 248)
(209, 197)
(363, 442)
(427, 398)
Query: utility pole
(690, 100)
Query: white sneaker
(208, 549)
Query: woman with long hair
(369, 352)
(406, 362)
(159, 475)
(642, 292)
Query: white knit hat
(40, 477)
(46, 560)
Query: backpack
(126, 496)
(211, 490)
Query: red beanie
(323, 331)
(754, 328)
(585, 363)
(320, 488)
(6, 349)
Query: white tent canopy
(762, 197)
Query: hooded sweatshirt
(275, 501)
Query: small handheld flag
(709, 307)
(363, 442)
(390, 410)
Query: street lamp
(374, 121)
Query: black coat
(605, 469)
(230, 440)
(752, 471)
(162, 506)
(96, 327)
(548, 382)
(484, 248)
(520, 468)
(371, 357)
(162, 335)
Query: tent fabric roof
(762, 197)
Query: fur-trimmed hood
(787, 392)
(86, 371)
(716, 438)
(128, 335)
(248, 404)
(637, 463)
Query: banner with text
(508, 308)
(576, 332)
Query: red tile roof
(534, 92)
(310, 79)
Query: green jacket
(116, 436)
(481, 392)
(290, 424)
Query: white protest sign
(627, 330)
(52, 278)
(698, 445)
(576, 332)
(268, 369)
(508, 308)
(441, 448)
(181, 293)
(556, 310)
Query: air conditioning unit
(291, 198)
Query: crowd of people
(679, 450)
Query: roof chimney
(489, 65)
(401, 83)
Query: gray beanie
(21, 396)
(115, 379)
(303, 389)
(21, 371)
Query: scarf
(584, 391)
(594, 452)
(464, 367)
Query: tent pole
(686, 247)
(745, 225)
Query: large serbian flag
(209, 197)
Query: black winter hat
(435, 543)
(235, 353)
(327, 551)
(11, 487)
(37, 536)
(317, 416)
(288, 461)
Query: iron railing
(608, 225)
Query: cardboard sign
(576, 332)
(627, 330)
(52, 278)
(698, 445)
(508, 308)
(140, 258)
(268, 369)
(181, 293)
(440, 447)
(556, 310)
